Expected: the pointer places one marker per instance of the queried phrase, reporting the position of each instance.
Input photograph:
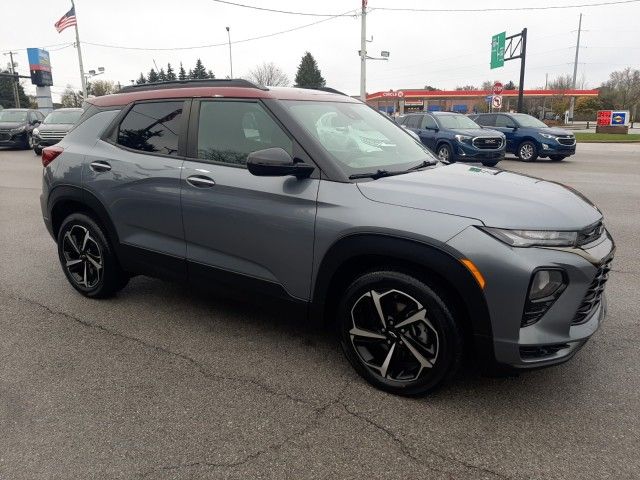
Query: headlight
(19, 129)
(464, 138)
(546, 135)
(36, 131)
(530, 238)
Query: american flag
(67, 20)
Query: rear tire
(87, 259)
(557, 158)
(398, 333)
(527, 151)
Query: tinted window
(486, 120)
(13, 116)
(456, 122)
(229, 131)
(63, 116)
(413, 121)
(152, 127)
(504, 121)
(428, 122)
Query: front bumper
(45, 142)
(552, 147)
(463, 152)
(553, 339)
(13, 140)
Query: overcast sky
(436, 48)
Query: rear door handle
(100, 166)
(200, 181)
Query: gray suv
(313, 199)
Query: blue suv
(528, 137)
(455, 137)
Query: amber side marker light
(474, 271)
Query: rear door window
(413, 122)
(429, 122)
(486, 120)
(152, 127)
(504, 121)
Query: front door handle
(200, 181)
(100, 166)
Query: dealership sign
(40, 67)
(613, 117)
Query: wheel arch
(436, 264)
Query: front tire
(527, 151)
(444, 153)
(398, 333)
(87, 259)
(28, 142)
(37, 150)
(490, 164)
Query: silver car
(316, 201)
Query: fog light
(545, 288)
(545, 283)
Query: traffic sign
(496, 102)
(497, 49)
(497, 88)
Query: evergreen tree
(199, 71)
(309, 75)
(210, 74)
(152, 77)
(141, 79)
(190, 74)
(6, 93)
(171, 75)
(182, 75)
(162, 77)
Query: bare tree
(71, 98)
(268, 74)
(561, 82)
(103, 87)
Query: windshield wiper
(374, 175)
(423, 164)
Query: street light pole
(230, 58)
(363, 53)
(14, 80)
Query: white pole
(363, 53)
(230, 58)
(83, 80)
(575, 70)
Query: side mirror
(34, 122)
(276, 162)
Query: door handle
(100, 166)
(200, 181)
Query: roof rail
(325, 89)
(205, 82)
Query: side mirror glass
(276, 162)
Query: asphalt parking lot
(162, 382)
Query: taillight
(49, 154)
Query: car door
(135, 174)
(428, 131)
(243, 230)
(507, 125)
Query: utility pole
(363, 53)
(230, 58)
(14, 80)
(575, 70)
(82, 78)
(523, 57)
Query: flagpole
(83, 80)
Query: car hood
(64, 127)
(8, 125)
(478, 132)
(495, 197)
(554, 131)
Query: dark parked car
(16, 125)
(317, 200)
(528, 137)
(54, 127)
(455, 137)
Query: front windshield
(456, 121)
(525, 120)
(12, 116)
(63, 116)
(357, 137)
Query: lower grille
(4, 136)
(567, 141)
(594, 293)
(487, 143)
(52, 135)
(541, 351)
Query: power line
(288, 12)
(503, 9)
(42, 46)
(224, 44)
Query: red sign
(497, 88)
(393, 94)
(604, 117)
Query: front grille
(568, 140)
(541, 351)
(487, 143)
(4, 136)
(594, 293)
(52, 134)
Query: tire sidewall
(108, 281)
(445, 146)
(449, 334)
(535, 151)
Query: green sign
(497, 50)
